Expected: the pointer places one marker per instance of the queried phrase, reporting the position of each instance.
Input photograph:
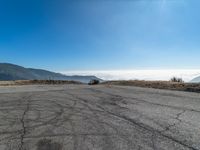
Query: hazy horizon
(139, 74)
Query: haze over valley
(150, 74)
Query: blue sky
(100, 34)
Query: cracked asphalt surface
(82, 117)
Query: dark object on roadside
(93, 82)
(175, 79)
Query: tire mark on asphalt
(87, 104)
(96, 114)
(100, 126)
(141, 125)
(142, 100)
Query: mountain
(196, 80)
(14, 72)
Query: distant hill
(10, 72)
(197, 80)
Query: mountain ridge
(196, 80)
(10, 72)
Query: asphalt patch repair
(48, 144)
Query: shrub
(175, 79)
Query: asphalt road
(81, 117)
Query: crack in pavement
(174, 124)
(155, 131)
(179, 115)
(23, 124)
(82, 119)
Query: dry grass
(190, 87)
(30, 82)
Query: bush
(175, 79)
(93, 82)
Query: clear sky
(100, 34)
